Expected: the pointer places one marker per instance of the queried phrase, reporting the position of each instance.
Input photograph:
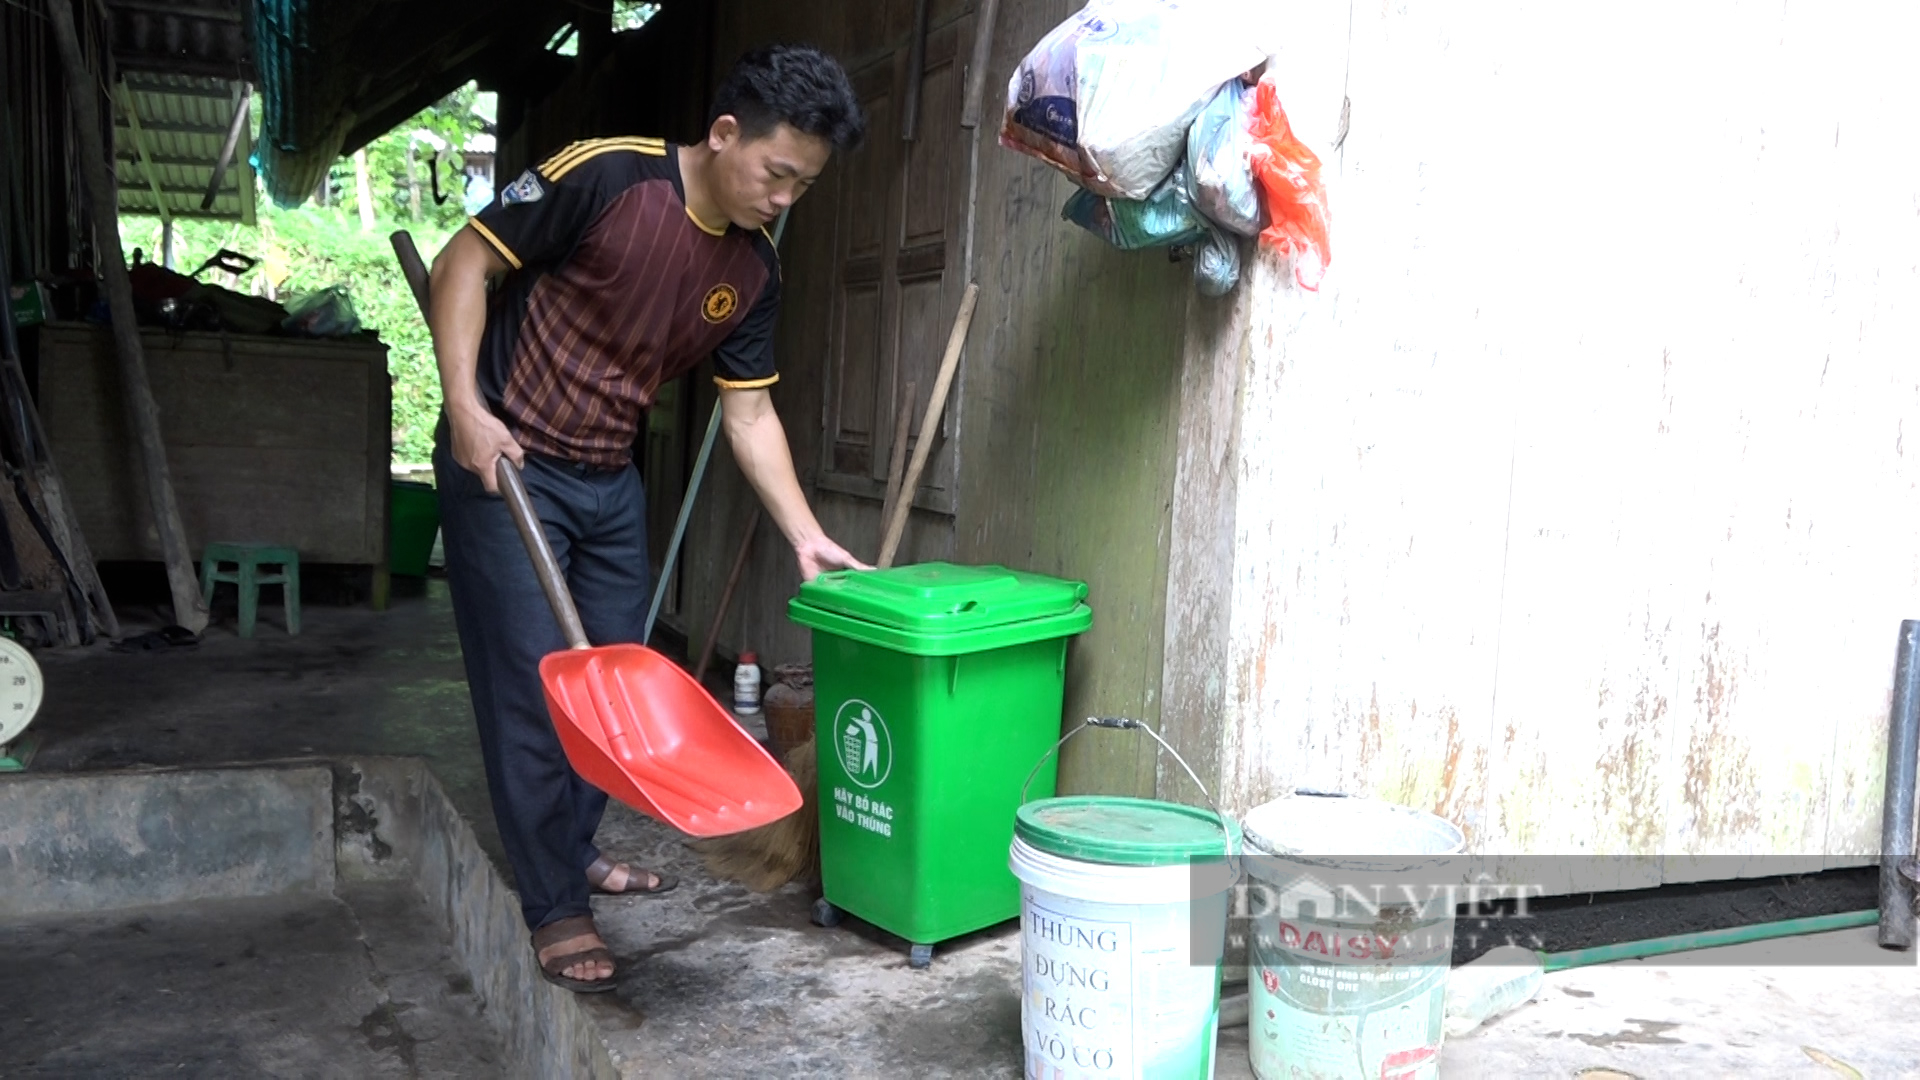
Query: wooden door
(898, 270)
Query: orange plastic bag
(1289, 174)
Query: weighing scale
(20, 690)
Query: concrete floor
(716, 981)
(293, 985)
(1827, 1005)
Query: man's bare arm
(458, 319)
(759, 445)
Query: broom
(770, 856)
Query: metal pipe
(1706, 939)
(239, 124)
(984, 15)
(916, 74)
(1896, 821)
(680, 523)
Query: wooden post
(142, 414)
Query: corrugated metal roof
(212, 38)
(172, 142)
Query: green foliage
(400, 161)
(322, 247)
(312, 247)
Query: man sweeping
(617, 265)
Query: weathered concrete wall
(1575, 506)
(105, 841)
(395, 821)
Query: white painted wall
(1575, 505)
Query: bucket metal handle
(1124, 723)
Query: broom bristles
(770, 856)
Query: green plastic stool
(247, 577)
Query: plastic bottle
(1498, 982)
(746, 685)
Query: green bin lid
(1124, 832)
(941, 598)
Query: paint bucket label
(1349, 952)
(1340, 1000)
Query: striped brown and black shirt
(615, 288)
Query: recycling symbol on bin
(865, 745)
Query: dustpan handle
(545, 566)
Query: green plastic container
(414, 520)
(936, 689)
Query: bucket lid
(1125, 832)
(941, 598)
(1348, 829)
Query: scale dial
(20, 689)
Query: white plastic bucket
(1120, 966)
(1352, 903)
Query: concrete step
(362, 984)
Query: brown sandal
(560, 930)
(601, 870)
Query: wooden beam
(168, 127)
(209, 12)
(146, 86)
(194, 192)
(97, 174)
(164, 159)
(140, 146)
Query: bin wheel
(825, 914)
(920, 957)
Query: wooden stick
(142, 414)
(413, 267)
(897, 461)
(930, 425)
(37, 453)
(726, 596)
(59, 516)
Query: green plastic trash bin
(936, 689)
(414, 512)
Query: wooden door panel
(897, 264)
(865, 258)
(860, 329)
(932, 158)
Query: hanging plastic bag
(326, 313)
(1165, 217)
(1107, 96)
(1289, 173)
(1220, 181)
(1216, 266)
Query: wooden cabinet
(275, 439)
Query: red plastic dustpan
(639, 728)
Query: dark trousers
(596, 522)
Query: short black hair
(793, 84)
